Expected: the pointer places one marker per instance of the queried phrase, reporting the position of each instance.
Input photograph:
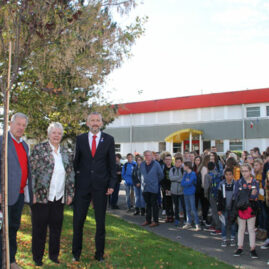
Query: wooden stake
(4, 172)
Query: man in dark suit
(95, 170)
(19, 181)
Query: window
(267, 110)
(176, 147)
(206, 145)
(253, 111)
(162, 146)
(117, 148)
(219, 145)
(236, 145)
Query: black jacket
(136, 176)
(119, 169)
(98, 172)
(166, 182)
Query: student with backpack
(175, 176)
(139, 200)
(211, 185)
(127, 172)
(188, 183)
(166, 187)
(225, 206)
(246, 197)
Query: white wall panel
(138, 119)
(190, 115)
(206, 114)
(126, 120)
(149, 118)
(178, 116)
(218, 113)
(234, 112)
(163, 117)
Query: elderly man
(151, 175)
(19, 181)
(95, 178)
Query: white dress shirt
(18, 141)
(97, 139)
(57, 183)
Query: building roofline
(196, 101)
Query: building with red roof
(236, 121)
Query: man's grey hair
(19, 115)
(95, 113)
(147, 151)
(55, 125)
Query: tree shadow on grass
(127, 246)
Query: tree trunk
(4, 173)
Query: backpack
(242, 199)
(181, 169)
(215, 181)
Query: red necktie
(93, 145)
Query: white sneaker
(187, 226)
(197, 228)
(265, 245)
(164, 212)
(232, 242)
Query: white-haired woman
(53, 186)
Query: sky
(194, 47)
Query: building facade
(230, 121)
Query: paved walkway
(201, 241)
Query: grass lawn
(127, 246)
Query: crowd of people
(219, 194)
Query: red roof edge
(196, 101)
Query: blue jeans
(128, 189)
(190, 208)
(227, 214)
(262, 215)
(139, 200)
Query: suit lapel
(12, 149)
(25, 148)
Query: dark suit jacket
(96, 173)
(14, 173)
